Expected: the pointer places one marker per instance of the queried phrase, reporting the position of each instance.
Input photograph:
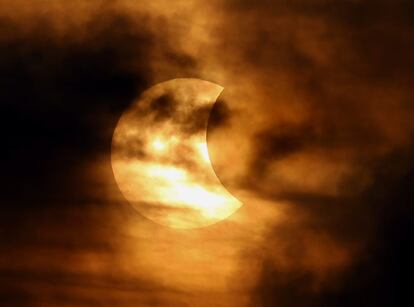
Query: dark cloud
(220, 115)
(164, 107)
(348, 67)
(124, 290)
(63, 87)
(322, 43)
(279, 143)
(62, 95)
(63, 91)
(377, 276)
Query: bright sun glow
(176, 187)
(166, 174)
(203, 150)
(158, 145)
(171, 179)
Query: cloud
(328, 133)
(64, 88)
(315, 121)
(65, 82)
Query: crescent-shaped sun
(160, 158)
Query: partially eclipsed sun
(160, 157)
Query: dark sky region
(315, 126)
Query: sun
(158, 145)
(161, 166)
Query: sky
(313, 133)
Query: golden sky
(312, 133)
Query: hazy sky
(313, 133)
